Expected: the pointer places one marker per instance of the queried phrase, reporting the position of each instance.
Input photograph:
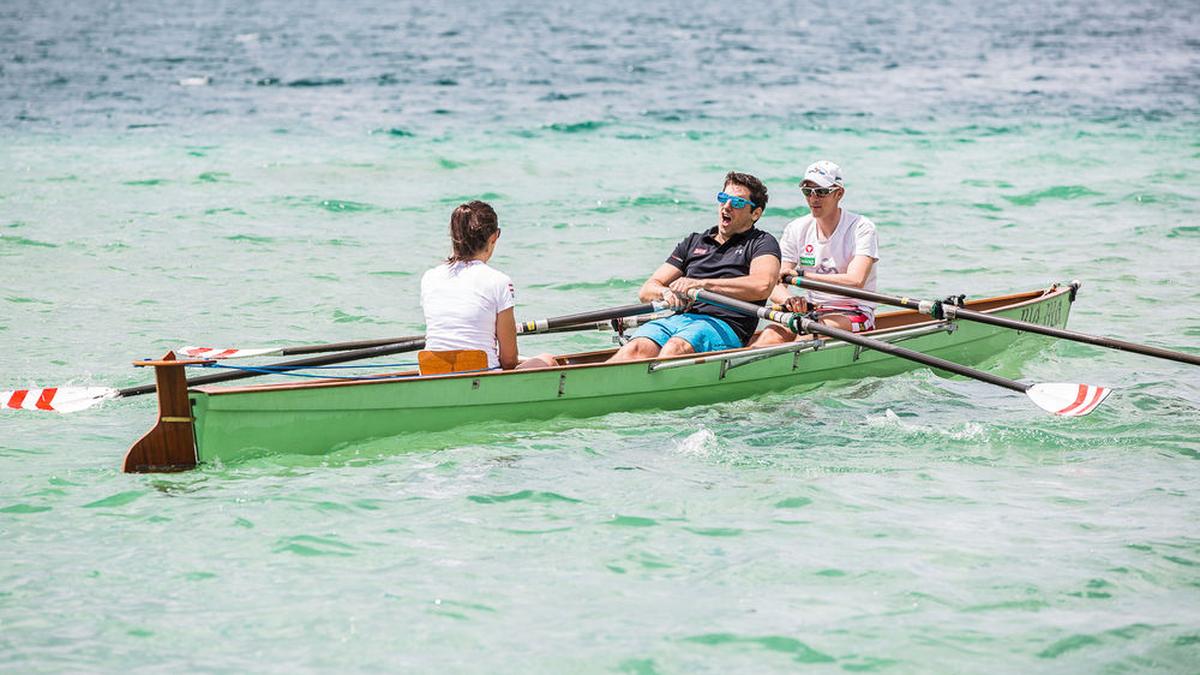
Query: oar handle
(750, 308)
(543, 325)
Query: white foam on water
(959, 432)
(702, 443)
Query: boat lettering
(1045, 315)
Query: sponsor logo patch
(699, 250)
(808, 260)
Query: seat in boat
(451, 361)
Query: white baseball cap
(824, 173)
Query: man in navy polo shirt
(732, 258)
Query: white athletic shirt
(461, 301)
(803, 247)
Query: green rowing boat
(230, 423)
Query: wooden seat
(453, 361)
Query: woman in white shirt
(469, 305)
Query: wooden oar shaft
(410, 345)
(925, 307)
(809, 326)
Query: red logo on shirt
(699, 250)
(808, 248)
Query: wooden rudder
(171, 444)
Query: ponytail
(471, 225)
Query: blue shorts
(703, 333)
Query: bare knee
(539, 361)
(677, 347)
(637, 348)
(837, 321)
(773, 335)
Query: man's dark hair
(470, 226)
(758, 191)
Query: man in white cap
(830, 244)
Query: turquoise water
(268, 174)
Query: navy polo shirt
(699, 256)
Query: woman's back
(461, 301)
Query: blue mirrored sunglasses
(735, 202)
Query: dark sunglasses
(735, 202)
(820, 192)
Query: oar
(571, 322)
(1056, 397)
(74, 399)
(940, 310)
(222, 354)
(549, 325)
(622, 324)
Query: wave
(317, 82)
(251, 238)
(344, 206)
(1057, 192)
(9, 240)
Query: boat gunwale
(1002, 304)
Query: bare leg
(637, 348)
(776, 334)
(773, 335)
(539, 361)
(837, 321)
(677, 347)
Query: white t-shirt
(461, 301)
(803, 247)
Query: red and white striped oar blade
(55, 399)
(1070, 400)
(218, 354)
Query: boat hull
(233, 423)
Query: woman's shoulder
(436, 272)
(486, 271)
(481, 275)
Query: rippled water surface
(270, 173)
